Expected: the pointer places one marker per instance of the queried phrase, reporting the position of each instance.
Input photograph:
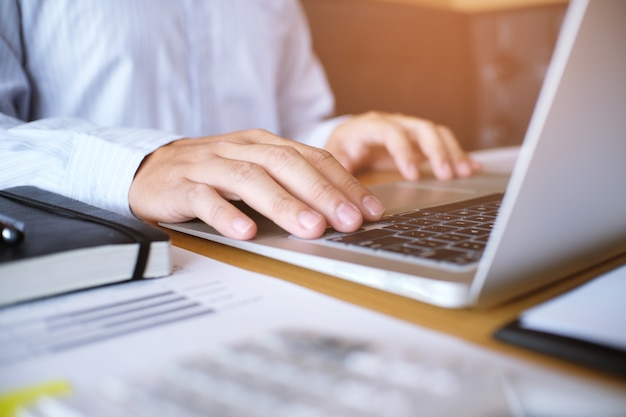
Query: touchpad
(426, 193)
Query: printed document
(159, 341)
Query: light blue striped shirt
(88, 88)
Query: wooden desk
(475, 326)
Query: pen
(12, 230)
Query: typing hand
(384, 141)
(301, 188)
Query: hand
(301, 188)
(384, 141)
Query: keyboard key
(419, 234)
(441, 229)
(425, 222)
(405, 250)
(474, 246)
(462, 223)
(428, 243)
(481, 218)
(362, 236)
(395, 218)
(416, 214)
(473, 231)
(451, 237)
(445, 217)
(401, 227)
(384, 242)
(466, 212)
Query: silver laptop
(562, 210)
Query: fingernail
(410, 171)
(348, 214)
(310, 219)
(445, 171)
(242, 225)
(373, 206)
(464, 169)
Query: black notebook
(586, 325)
(593, 355)
(52, 244)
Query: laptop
(561, 210)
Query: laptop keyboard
(454, 233)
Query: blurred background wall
(474, 65)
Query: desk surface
(475, 326)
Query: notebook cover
(54, 223)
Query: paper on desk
(123, 329)
(594, 312)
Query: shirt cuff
(110, 165)
(318, 134)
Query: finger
(317, 180)
(426, 135)
(400, 146)
(369, 140)
(171, 197)
(463, 165)
(348, 161)
(315, 177)
(260, 191)
(334, 172)
(210, 207)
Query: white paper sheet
(594, 312)
(124, 329)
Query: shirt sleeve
(68, 156)
(14, 87)
(317, 134)
(74, 158)
(306, 101)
